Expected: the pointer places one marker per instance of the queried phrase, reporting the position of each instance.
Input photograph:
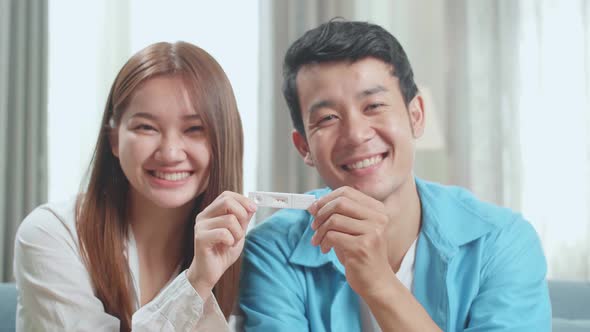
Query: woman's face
(162, 145)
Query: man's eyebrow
(371, 91)
(320, 104)
(365, 93)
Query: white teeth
(365, 162)
(177, 176)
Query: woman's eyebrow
(145, 115)
(192, 117)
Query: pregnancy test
(281, 200)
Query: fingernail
(312, 208)
(252, 207)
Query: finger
(229, 203)
(342, 224)
(247, 203)
(228, 221)
(349, 192)
(212, 237)
(337, 240)
(340, 205)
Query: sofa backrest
(570, 305)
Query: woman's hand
(219, 239)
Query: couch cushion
(569, 299)
(7, 306)
(570, 325)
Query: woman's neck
(158, 232)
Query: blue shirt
(478, 267)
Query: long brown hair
(101, 211)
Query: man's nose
(357, 129)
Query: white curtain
(23, 119)
(554, 79)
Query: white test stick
(281, 200)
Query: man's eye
(328, 118)
(374, 106)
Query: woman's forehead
(163, 94)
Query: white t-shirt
(405, 275)
(56, 293)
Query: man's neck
(405, 220)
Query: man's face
(359, 132)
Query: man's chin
(372, 191)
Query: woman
(153, 241)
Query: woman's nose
(171, 151)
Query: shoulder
(49, 221)
(461, 211)
(501, 233)
(504, 222)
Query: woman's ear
(113, 137)
(416, 114)
(302, 147)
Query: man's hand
(354, 224)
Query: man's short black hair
(340, 40)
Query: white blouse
(56, 293)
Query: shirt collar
(450, 218)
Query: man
(382, 249)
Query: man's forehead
(360, 81)
(316, 66)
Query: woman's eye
(145, 127)
(195, 129)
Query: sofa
(7, 307)
(570, 301)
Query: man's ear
(416, 114)
(113, 137)
(301, 144)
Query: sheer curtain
(23, 119)
(555, 130)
